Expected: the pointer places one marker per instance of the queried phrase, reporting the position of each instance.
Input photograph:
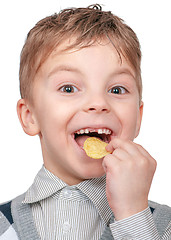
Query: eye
(68, 89)
(118, 90)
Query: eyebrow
(64, 68)
(124, 70)
(69, 68)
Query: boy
(80, 77)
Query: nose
(97, 104)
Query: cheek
(128, 118)
(54, 117)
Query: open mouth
(103, 133)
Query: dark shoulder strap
(6, 210)
(152, 209)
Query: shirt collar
(46, 184)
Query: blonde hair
(86, 26)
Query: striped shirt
(81, 211)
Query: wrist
(126, 212)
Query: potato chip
(95, 148)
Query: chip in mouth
(95, 148)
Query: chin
(93, 174)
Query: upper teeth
(99, 131)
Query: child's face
(89, 90)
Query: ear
(27, 118)
(139, 119)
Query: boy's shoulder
(6, 222)
(5, 209)
(160, 211)
(162, 217)
(16, 220)
(157, 208)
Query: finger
(126, 145)
(109, 161)
(109, 147)
(121, 154)
(134, 152)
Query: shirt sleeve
(137, 227)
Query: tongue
(81, 139)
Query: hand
(129, 173)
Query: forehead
(81, 56)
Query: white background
(20, 155)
